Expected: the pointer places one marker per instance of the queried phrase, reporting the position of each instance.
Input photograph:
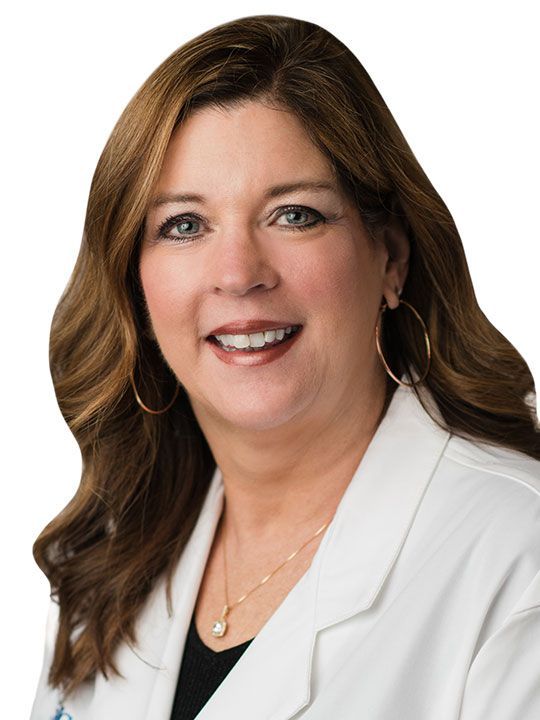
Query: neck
(285, 483)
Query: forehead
(240, 147)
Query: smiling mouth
(230, 348)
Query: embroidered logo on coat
(61, 714)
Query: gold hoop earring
(426, 339)
(147, 409)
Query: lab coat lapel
(378, 507)
(357, 552)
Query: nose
(240, 262)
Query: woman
(311, 465)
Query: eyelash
(174, 220)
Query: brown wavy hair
(144, 477)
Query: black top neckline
(202, 671)
(204, 649)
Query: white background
(461, 79)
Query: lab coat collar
(348, 570)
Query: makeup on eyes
(177, 219)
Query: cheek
(167, 292)
(339, 284)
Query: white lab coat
(422, 601)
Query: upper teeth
(258, 339)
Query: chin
(259, 415)
(259, 419)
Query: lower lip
(260, 357)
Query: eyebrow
(272, 192)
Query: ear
(396, 240)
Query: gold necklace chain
(219, 628)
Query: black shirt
(201, 671)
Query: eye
(294, 210)
(182, 232)
(181, 224)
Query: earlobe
(392, 298)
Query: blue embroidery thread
(61, 714)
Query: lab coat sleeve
(503, 682)
(46, 698)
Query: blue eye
(301, 210)
(185, 222)
(181, 224)
(175, 222)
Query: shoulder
(495, 494)
(509, 470)
(492, 494)
(486, 500)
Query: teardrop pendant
(219, 628)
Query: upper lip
(244, 327)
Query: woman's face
(237, 252)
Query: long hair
(144, 477)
